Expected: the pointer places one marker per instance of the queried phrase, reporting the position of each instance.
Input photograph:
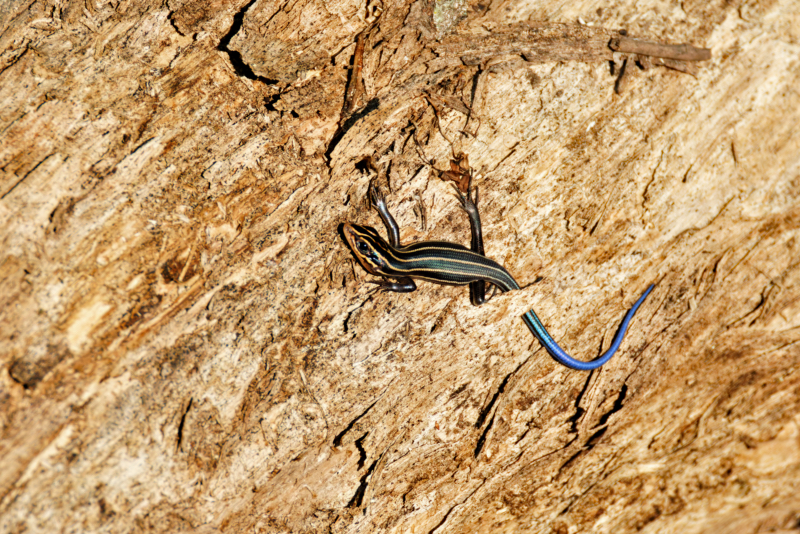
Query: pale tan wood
(187, 345)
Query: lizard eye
(363, 247)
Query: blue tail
(562, 357)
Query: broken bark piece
(459, 173)
(559, 42)
(623, 79)
(674, 64)
(355, 85)
(536, 43)
(681, 52)
(447, 101)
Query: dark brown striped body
(435, 261)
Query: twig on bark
(681, 52)
(355, 85)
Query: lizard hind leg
(469, 203)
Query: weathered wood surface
(187, 344)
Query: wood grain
(186, 343)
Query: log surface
(186, 343)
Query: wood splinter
(648, 54)
(681, 52)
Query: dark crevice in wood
(350, 314)
(24, 176)
(171, 19)
(15, 376)
(452, 508)
(241, 68)
(538, 279)
(618, 404)
(578, 410)
(594, 438)
(362, 453)
(358, 497)
(488, 409)
(458, 390)
(269, 102)
(570, 461)
(371, 106)
(482, 438)
(337, 441)
(485, 412)
(182, 423)
(621, 84)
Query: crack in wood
(182, 423)
(337, 440)
(482, 438)
(618, 405)
(25, 176)
(578, 410)
(358, 497)
(452, 508)
(362, 453)
(239, 65)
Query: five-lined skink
(453, 264)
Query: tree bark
(188, 344)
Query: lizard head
(369, 248)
